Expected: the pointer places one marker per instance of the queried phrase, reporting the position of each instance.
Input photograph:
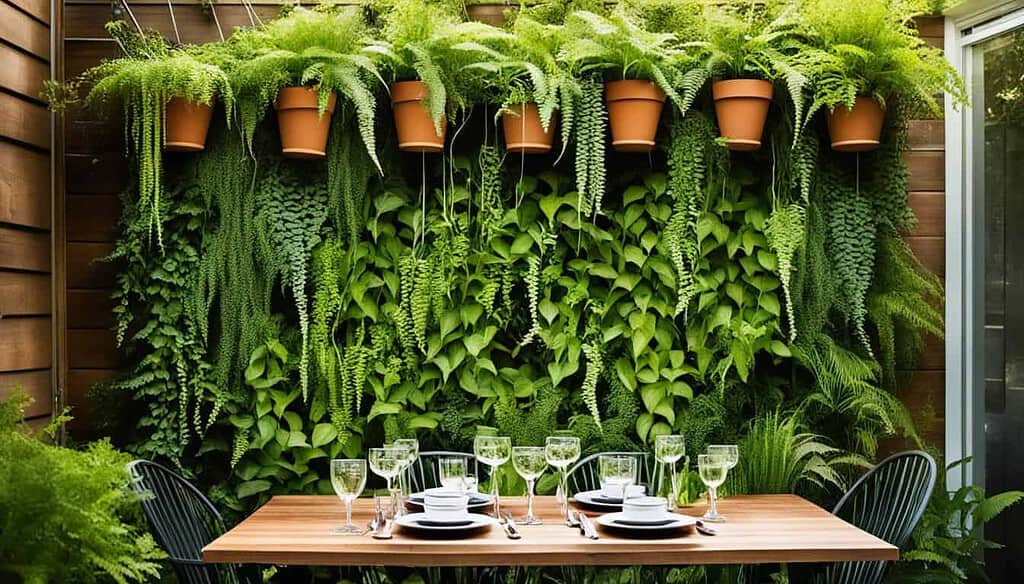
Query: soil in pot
(859, 129)
(741, 106)
(524, 132)
(416, 131)
(186, 125)
(634, 108)
(303, 129)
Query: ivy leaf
(559, 371)
(627, 281)
(548, 309)
(477, 342)
(652, 395)
(522, 244)
(770, 302)
(779, 348)
(422, 421)
(250, 488)
(382, 408)
(324, 434)
(605, 271)
(633, 193)
(643, 425)
(624, 369)
(635, 255)
(643, 325)
(297, 440)
(241, 421)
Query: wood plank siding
(26, 265)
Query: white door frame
(970, 24)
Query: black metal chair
(585, 475)
(183, 520)
(425, 474)
(886, 502)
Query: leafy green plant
(951, 535)
(68, 515)
(872, 49)
(141, 81)
(323, 48)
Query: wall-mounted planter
(524, 132)
(859, 129)
(492, 14)
(634, 108)
(741, 106)
(416, 131)
(186, 125)
(303, 129)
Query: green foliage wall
(295, 311)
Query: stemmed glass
(493, 451)
(410, 447)
(618, 471)
(668, 450)
(387, 463)
(529, 462)
(713, 469)
(730, 452)
(560, 452)
(452, 473)
(348, 477)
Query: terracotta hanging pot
(741, 106)
(303, 129)
(416, 131)
(186, 125)
(524, 132)
(634, 108)
(492, 14)
(859, 129)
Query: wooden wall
(96, 171)
(26, 357)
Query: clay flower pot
(186, 125)
(634, 108)
(492, 14)
(741, 106)
(416, 132)
(856, 130)
(524, 132)
(303, 130)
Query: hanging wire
(174, 22)
(216, 21)
(135, 21)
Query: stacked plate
(644, 515)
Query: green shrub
(67, 515)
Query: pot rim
(303, 97)
(743, 88)
(633, 89)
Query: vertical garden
(388, 221)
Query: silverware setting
(511, 530)
(587, 526)
(384, 532)
(704, 529)
(573, 521)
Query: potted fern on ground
(641, 69)
(167, 95)
(865, 53)
(300, 63)
(416, 46)
(745, 46)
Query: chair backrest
(886, 502)
(182, 519)
(585, 475)
(425, 474)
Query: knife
(510, 527)
(588, 527)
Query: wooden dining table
(293, 530)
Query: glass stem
(348, 513)
(672, 492)
(713, 504)
(529, 500)
(494, 490)
(564, 501)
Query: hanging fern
(291, 210)
(785, 233)
(595, 364)
(348, 173)
(591, 119)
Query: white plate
(411, 521)
(678, 522)
(587, 498)
(417, 500)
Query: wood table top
(760, 529)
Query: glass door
(997, 182)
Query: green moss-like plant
(141, 81)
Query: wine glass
(451, 472)
(411, 448)
(617, 470)
(560, 452)
(668, 450)
(713, 469)
(493, 451)
(730, 452)
(529, 462)
(348, 477)
(387, 463)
